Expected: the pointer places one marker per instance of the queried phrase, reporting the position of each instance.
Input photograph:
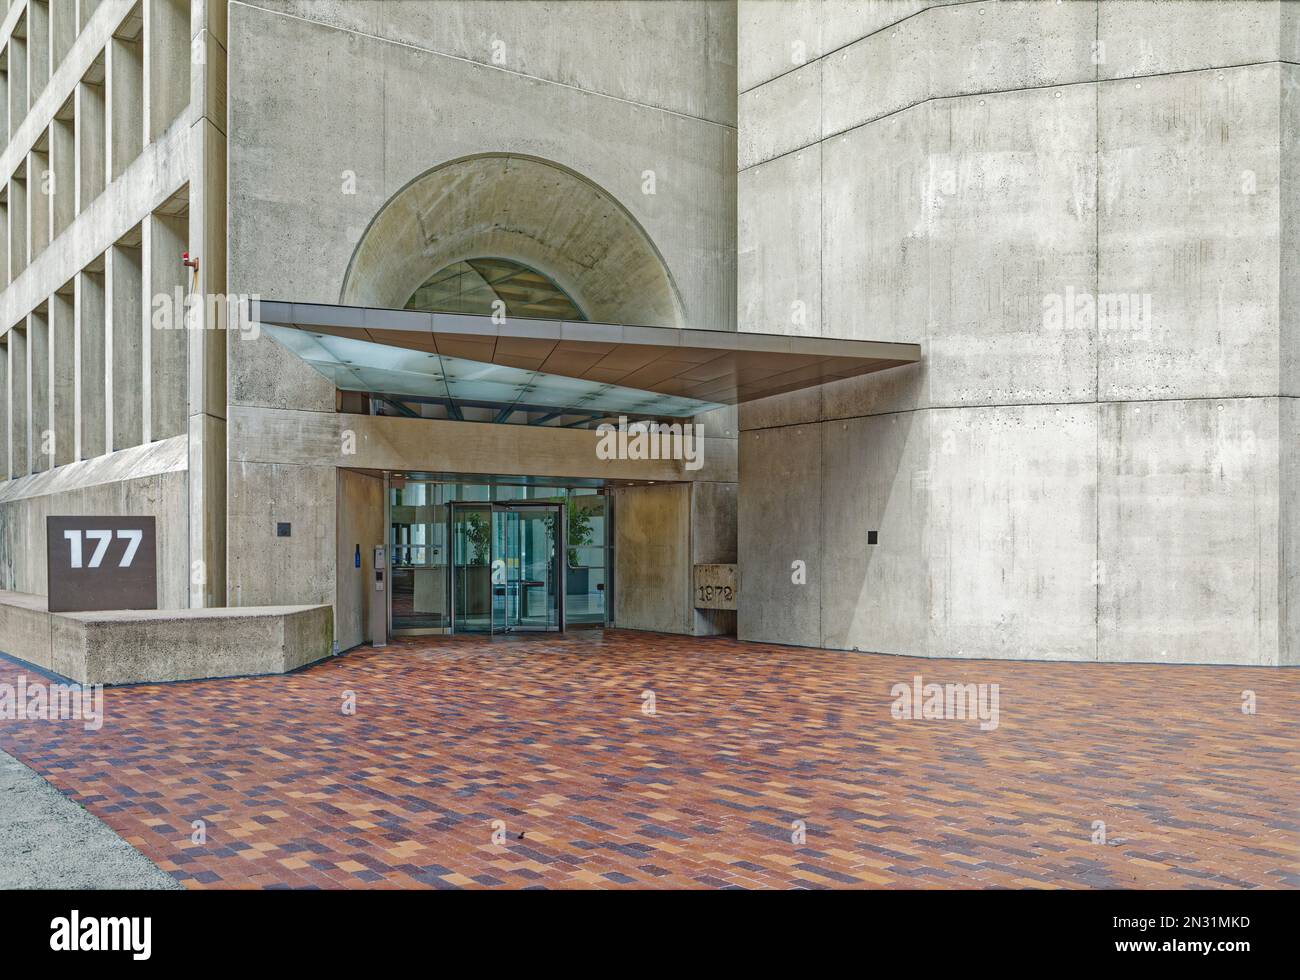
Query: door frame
(610, 551)
(390, 551)
(560, 565)
(493, 507)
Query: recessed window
(477, 285)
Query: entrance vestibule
(497, 557)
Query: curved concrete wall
(531, 211)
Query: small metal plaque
(97, 563)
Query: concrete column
(38, 391)
(207, 346)
(63, 375)
(17, 227)
(166, 62)
(165, 238)
(123, 294)
(4, 409)
(124, 98)
(17, 82)
(85, 10)
(89, 123)
(38, 203)
(713, 542)
(4, 95)
(4, 243)
(91, 413)
(19, 464)
(63, 165)
(38, 49)
(63, 30)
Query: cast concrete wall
(337, 107)
(145, 646)
(713, 542)
(322, 140)
(284, 467)
(149, 481)
(119, 133)
(25, 629)
(661, 532)
(652, 555)
(1051, 488)
(360, 525)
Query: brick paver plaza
(546, 743)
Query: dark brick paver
(459, 746)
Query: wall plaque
(715, 586)
(97, 563)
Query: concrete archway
(522, 208)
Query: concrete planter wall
(141, 646)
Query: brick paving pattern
(548, 736)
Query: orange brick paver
(529, 761)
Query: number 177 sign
(98, 563)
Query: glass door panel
(505, 552)
(526, 589)
(586, 578)
(418, 538)
(537, 587)
(471, 544)
(466, 562)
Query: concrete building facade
(985, 309)
(1085, 213)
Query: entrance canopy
(595, 369)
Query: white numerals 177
(132, 537)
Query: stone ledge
(142, 646)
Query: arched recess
(516, 207)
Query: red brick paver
(548, 736)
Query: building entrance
(507, 573)
(497, 557)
